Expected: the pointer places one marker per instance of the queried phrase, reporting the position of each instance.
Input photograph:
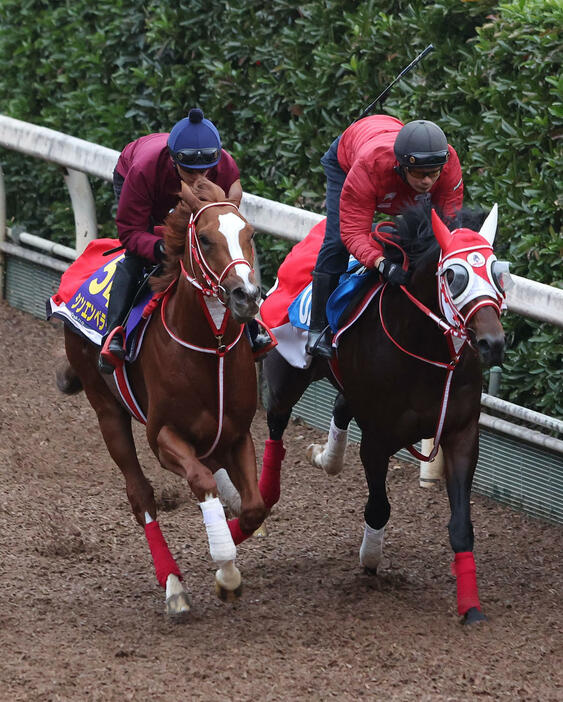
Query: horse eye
(457, 278)
(501, 275)
(204, 241)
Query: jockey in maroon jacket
(377, 164)
(147, 181)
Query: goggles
(419, 174)
(197, 157)
(464, 283)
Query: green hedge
(281, 80)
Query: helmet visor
(426, 159)
(197, 157)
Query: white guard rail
(82, 158)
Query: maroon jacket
(150, 190)
(365, 153)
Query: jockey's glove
(393, 273)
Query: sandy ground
(82, 616)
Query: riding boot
(261, 340)
(123, 290)
(319, 338)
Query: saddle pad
(287, 307)
(83, 295)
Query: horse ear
(489, 229)
(441, 232)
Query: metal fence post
(83, 207)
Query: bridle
(211, 284)
(453, 323)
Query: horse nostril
(239, 294)
(490, 351)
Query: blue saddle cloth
(351, 288)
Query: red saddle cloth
(294, 274)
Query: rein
(210, 288)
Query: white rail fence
(82, 159)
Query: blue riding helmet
(194, 142)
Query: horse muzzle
(490, 348)
(243, 301)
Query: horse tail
(68, 381)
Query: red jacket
(365, 153)
(151, 188)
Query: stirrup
(264, 341)
(112, 352)
(319, 347)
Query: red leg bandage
(236, 532)
(164, 563)
(269, 483)
(464, 569)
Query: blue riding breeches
(333, 256)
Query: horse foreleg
(115, 425)
(378, 509)
(243, 474)
(460, 457)
(175, 454)
(330, 456)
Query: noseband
(212, 283)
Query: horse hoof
(261, 531)
(227, 595)
(177, 605)
(474, 616)
(313, 452)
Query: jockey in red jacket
(147, 180)
(377, 164)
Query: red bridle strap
(209, 286)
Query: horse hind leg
(68, 381)
(377, 509)
(330, 456)
(227, 492)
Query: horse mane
(192, 198)
(416, 237)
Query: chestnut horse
(410, 368)
(194, 382)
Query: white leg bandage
(221, 544)
(371, 550)
(330, 457)
(227, 491)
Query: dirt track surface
(82, 616)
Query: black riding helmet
(421, 144)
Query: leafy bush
(282, 80)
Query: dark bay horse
(194, 382)
(410, 368)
